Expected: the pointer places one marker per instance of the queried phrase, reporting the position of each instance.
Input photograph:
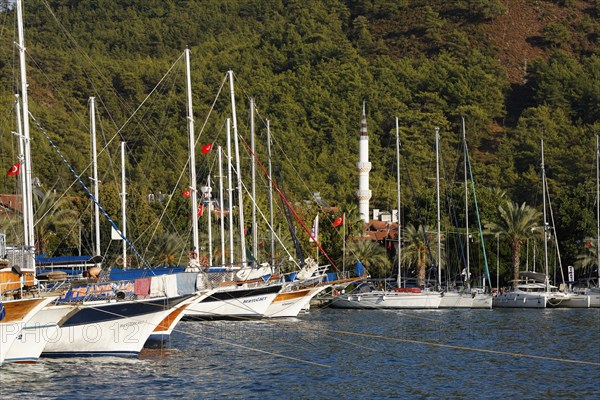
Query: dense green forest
(309, 65)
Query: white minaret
(363, 166)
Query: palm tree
(53, 215)
(589, 258)
(416, 252)
(371, 254)
(517, 223)
(170, 249)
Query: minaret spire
(363, 167)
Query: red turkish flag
(200, 210)
(207, 148)
(14, 170)
(186, 193)
(338, 221)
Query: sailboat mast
(24, 192)
(253, 170)
(192, 150)
(230, 192)
(545, 223)
(239, 173)
(27, 201)
(123, 204)
(271, 195)
(222, 219)
(92, 106)
(208, 217)
(598, 208)
(468, 275)
(437, 185)
(399, 252)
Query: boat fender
(120, 295)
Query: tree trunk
(516, 249)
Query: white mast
(271, 195)
(222, 219)
(437, 185)
(399, 282)
(545, 223)
(363, 167)
(230, 191)
(468, 275)
(209, 198)
(192, 147)
(239, 173)
(95, 175)
(24, 192)
(27, 201)
(123, 204)
(598, 209)
(254, 230)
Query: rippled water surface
(522, 354)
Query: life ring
(119, 261)
(203, 260)
(193, 255)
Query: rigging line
(289, 205)
(119, 130)
(78, 178)
(485, 261)
(456, 347)
(221, 341)
(183, 170)
(297, 173)
(91, 62)
(412, 189)
(267, 222)
(452, 211)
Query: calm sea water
(344, 354)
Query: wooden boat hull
(36, 333)
(163, 330)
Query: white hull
(10, 331)
(43, 326)
(466, 300)
(594, 300)
(289, 304)
(569, 300)
(103, 329)
(381, 299)
(520, 300)
(233, 303)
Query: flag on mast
(338, 221)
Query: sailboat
(401, 297)
(469, 297)
(533, 290)
(244, 294)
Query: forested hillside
(516, 70)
